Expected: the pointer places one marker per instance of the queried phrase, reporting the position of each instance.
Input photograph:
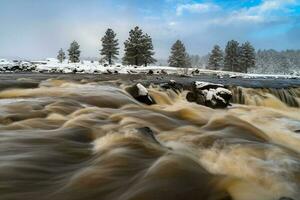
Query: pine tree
(231, 61)
(247, 57)
(74, 52)
(134, 48)
(215, 60)
(138, 48)
(61, 55)
(179, 57)
(110, 48)
(147, 50)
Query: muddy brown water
(81, 140)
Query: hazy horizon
(38, 29)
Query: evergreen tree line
(73, 52)
(266, 61)
(237, 58)
(138, 50)
(277, 62)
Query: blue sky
(39, 28)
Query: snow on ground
(51, 65)
(4, 62)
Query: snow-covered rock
(5, 65)
(210, 94)
(203, 85)
(140, 93)
(4, 61)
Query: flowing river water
(80, 141)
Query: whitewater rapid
(92, 140)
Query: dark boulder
(150, 72)
(195, 72)
(140, 93)
(16, 68)
(75, 71)
(191, 97)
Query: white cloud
(196, 8)
(271, 5)
(266, 11)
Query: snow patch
(142, 90)
(212, 94)
(201, 84)
(52, 65)
(221, 90)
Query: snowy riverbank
(89, 67)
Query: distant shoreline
(32, 80)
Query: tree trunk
(109, 59)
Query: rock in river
(209, 94)
(140, 93)
(173, 85)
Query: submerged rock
(147, 132)
(173, 85)
(286, 198)
(209, 94)
(140, 93)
